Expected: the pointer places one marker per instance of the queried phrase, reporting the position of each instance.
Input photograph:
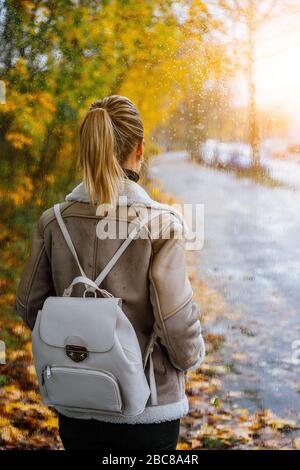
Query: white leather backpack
(86, 351)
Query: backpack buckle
(76, 353)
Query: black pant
(91, 434)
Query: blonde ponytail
(101, 169)
(108, 133)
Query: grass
(260, 175)
(4, 380)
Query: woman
(150, 277)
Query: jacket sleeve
(176, 315)
(36, 280)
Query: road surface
(251, 254)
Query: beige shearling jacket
(150, 277)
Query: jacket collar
(130, 193)
(130, 190)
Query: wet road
(251, 255)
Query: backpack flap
(92, 320)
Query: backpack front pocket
(84, 389)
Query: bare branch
(233, 8)
(239, 6)
(267, 14)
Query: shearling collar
(134, 193)
(130, 193)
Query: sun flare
(278, 71)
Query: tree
(245, 18)
(204, 60)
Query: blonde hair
(109, 132)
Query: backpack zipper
(46, 370)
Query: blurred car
(233, 155)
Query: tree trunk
(254, 134)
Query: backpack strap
(67, 237)
(89, 284)
(148, 357)
(123, 247)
